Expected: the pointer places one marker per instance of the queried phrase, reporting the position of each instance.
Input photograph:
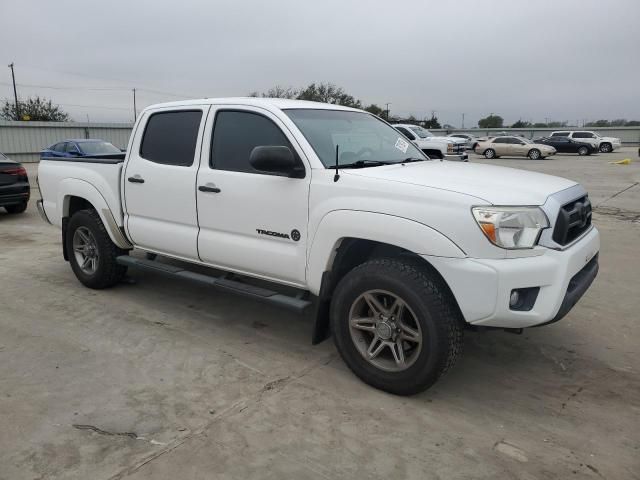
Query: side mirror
(277, 160)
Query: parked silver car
(512, 146)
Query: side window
(236, 134)
(58, 147)
(560, 134)
(501, 140)
(583, 135)
(170, 137)
(406, 133)
(70, 147)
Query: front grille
(574, 219)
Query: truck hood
(493, 184)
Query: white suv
(604, 144)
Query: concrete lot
(163, 380)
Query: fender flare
(74, 187)
(379, 227)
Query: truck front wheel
(92, 254)
(395, 325)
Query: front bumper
(457, 157)
(483, 287)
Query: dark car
(14, 186)
(86, 147)
(568, 145)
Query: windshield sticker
(402, 145)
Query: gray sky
(557, 59)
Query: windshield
(421, 132)
(525, 140)
(359, 136)
(98, 148)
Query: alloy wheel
(85, 250)
(385, 330)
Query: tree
(328, 93)
(35, 109)
(432, 122)
(277, 92)
(376, 110)
(540, 125)
(492, 121)
(521, 124)
(598, 123)
(632, 123)
(618, 122)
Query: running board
(296, 303)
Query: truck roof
(279, 103)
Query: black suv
(14, 186)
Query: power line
(112, 80)
(122, 89)
(91, 106)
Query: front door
(159, 181)
(251, 222)
(518, 147)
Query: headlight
(511, 227)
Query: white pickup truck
(304, 204)
(447, 148)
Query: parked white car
(603, 144)
(511, 146)
(320, 202)
(436, 147)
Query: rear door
(251, 222)
(160, 178)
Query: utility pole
(135, 112)
(463, 120)
(15, 92)
(387, 104)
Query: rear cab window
(170, 137)
(560, 134)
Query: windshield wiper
(366, 163)
(413, 159)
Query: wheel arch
(78, 195)
(367, 235)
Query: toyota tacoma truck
(322, 207)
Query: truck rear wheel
(92, 254)
(395, 325)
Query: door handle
(209, 188)
(136, 179)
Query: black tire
(19, 208)
(606, 147)
(490, 153)
(583, 151)
(534, 154)
(435, 311)
(108, 271)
